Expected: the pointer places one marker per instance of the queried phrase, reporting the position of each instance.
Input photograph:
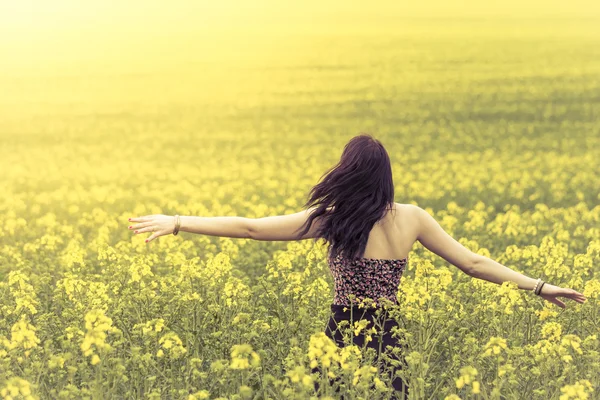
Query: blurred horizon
(60, 37)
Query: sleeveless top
(366, 277)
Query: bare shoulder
(407, 215)
(434, 238)
(407, 210)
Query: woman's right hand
(550, 292)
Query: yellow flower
(170, 341)
(510, 296)
(56, 361)
(365, 372)
(551, 330)
(15, 386)
(494, 345)
(452, 397)
(592, 289)
(359, 326)
(580, 390)
(245, 392)
(234, 291)
(243, 357)
(307, 381)
(296, 374)
(241, 318)
(200, 395)
(466, 377)
(503, 369)
(379, 385)
(98, 326)
(151, 327)
(349, 356)
(23, 335)
(218, 365)
(239, 363)
(573, 341)
(23, 292)
(322, 348)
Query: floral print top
(366, 277)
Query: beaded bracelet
(177, 225)
(541, 286)
(538, 286)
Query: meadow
(493, 128)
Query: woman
(369, 237)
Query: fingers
(142, 225)
(148, 228)
(145, 218)
(568, 293)
(572, 294)
(153, 236)
(578, 297)
(555, 301)
(147, 223)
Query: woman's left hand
(159, 224)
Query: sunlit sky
(40, 30)
(28, 18)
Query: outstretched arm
(160, 225)
(233, 227)
(434, 238)
(283, 227)
(273, 228)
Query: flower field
(492, 128)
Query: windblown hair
(352, 196)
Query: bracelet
(541, 286)
(177, 225)
(538, 286)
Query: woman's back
(377, 274)
(392, 237)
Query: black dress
(355, 314)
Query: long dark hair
(360, 188)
